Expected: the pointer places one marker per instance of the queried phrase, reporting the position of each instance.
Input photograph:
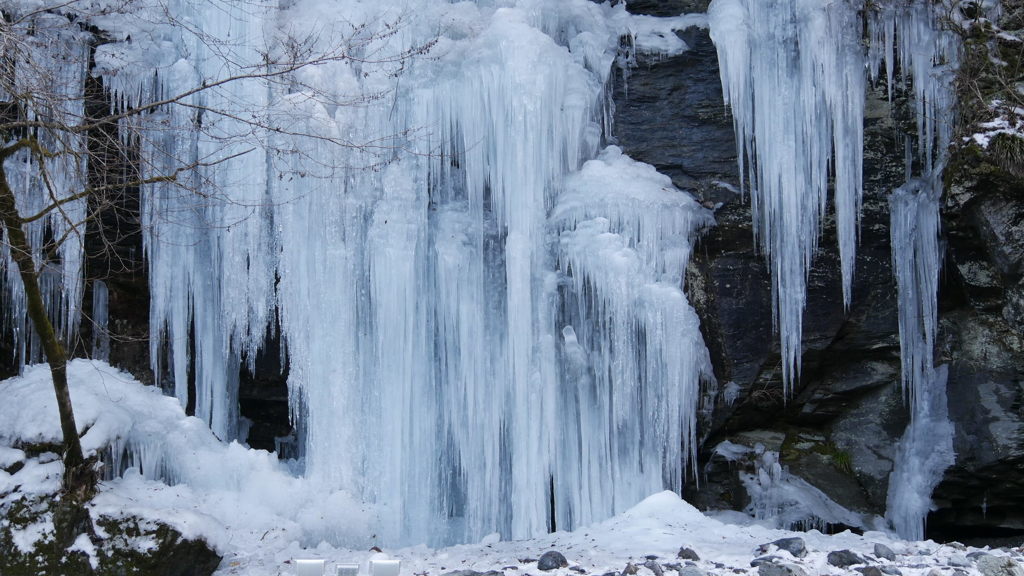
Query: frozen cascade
(482, 311)
(928, 58)
(793, 75)
(926, 448)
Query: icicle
(100, 334)
(793, 75)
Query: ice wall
(478, 321)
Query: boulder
(552, 560)
(844, 558)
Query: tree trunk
(79, 476)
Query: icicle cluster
(910, 36)
(926, 448)
(45, 67)
(792, 73)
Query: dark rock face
(845, 415)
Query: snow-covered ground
(260, 516)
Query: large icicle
(908, 35)
(793, 74)
(926, 448)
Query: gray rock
(794, 546)
(773, 569)
(687, 554)
(870, 571)
(551, 560)
(692, 571)
(844, 558)
(999, 566)
(935, 572)
(891, 570)
(474, 573)
(654, 567)
(959, 560)
(884, 552)
(630, 569)
(977, 554)
(757, 562)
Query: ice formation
(928, 56)
(477, 323)
(793, 73)
(48, 65)
(793, 76)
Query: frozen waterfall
(482, 311)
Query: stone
(773, 569)
(959, 560)
(654, 567)
(630, 569)
(473, 573)
(794, 546)
(891, 570)
(551, 560)
(999, 566)
(870, 571)
(692, 571)
(884, 552)
(757, 562)
(687, 554)
(844, 558)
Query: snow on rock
(260, 517)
